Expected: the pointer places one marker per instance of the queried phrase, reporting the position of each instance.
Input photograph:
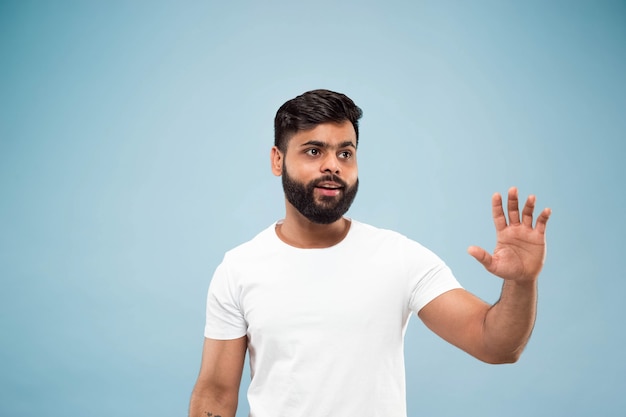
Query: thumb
(481, 256)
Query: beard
(328, 209)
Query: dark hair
(311, 109)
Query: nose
(330, 164)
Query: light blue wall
(134, 150)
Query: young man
(322, 301)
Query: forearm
(207, 403)
(509, 323)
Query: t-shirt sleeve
(224, 318)
(432, 277)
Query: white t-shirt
(325, 327)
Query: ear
(276, 159)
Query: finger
(513, 206)
(498, 212)
(481, 256)
(542, 220)
(527, 213)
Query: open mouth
(329, 189)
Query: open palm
(520, 248)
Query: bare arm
(493, 334)
(216, 391)
(498, 333)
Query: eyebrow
(320, 144)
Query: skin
(492, 333)
(327, 149)
(498, 333)
(216, 391)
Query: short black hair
(311, 109)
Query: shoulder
(364, 232)
(389, 242)
(258, 246)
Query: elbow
(501, 358)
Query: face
(319, 171)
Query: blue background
(134, 151)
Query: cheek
(352, 174)
(300, 171)
(304, 171)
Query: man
(322, 301)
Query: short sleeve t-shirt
(325, 327)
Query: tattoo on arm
(209, 414)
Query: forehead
(330, 134)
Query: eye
(313, 152)
(345, 155)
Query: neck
(298, 231)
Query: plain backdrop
(134, 151)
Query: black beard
(330, 209)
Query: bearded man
(321, 301)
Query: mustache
(329, 178)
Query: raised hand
(520, 248)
